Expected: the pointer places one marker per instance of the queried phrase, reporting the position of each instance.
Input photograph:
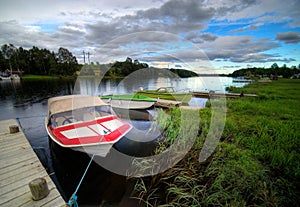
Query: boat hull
(128, 101)
(128, 104)
(98, 150)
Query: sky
(206, 36)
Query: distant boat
(167, 93)
(129, 101)
(241, 80)
(9, 77)
(15, 77)
(84, 123)
(4, 76)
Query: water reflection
(32, 95)
(9, 86)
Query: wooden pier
(19, 166)
(167, 103)
(212, 94)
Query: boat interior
(79, 115)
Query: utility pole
(83, 57)
(88, 54)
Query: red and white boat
(84, 123)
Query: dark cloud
(288, 37)
(259, 58)
(195, 37)
(233, 6)
(179, 10)
(240, 49)
(178, 15)
(243, 29)
(231, 66)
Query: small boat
(168, 93)
(129, 101)
(84, 123)
(5, 77)
(15, 77)
(9, 77)
(242, 80)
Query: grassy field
(45, 77)
(256, 162)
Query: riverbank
(256, 162)
(70, 77)
(47, 77)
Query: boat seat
(63, 120)
(91, 116)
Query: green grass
(45, 77)
(255, 164)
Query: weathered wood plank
(51, 200)
(20, 183)
(15, 153)
(20, 165)
(12, 178)
(15, 159)
(23, 163)
(12, 139)
(16, 194)
(20, 170)
(17, 146)
(26, 200)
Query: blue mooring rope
(73, 200)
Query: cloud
(231, 66)
(288, 37)
(239, 49)
(248, 27)
(178, 15)
(195, 37)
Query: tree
(274, 66)
(8, 51)
(284, 66)
(67, 62)
(129, 60)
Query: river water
(26, 101)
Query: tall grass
(255, 164)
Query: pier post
(13, 129)
(39, 188)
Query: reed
(255, 164)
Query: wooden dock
(212, 94)
(19, 166)
(167, 103)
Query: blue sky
(207, 36)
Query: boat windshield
(166, 90)
(79, 115)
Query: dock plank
(28, 161)
(20, 165)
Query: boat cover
(71, 102)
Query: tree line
(45, 62)
(38, 61)
(274, 70)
